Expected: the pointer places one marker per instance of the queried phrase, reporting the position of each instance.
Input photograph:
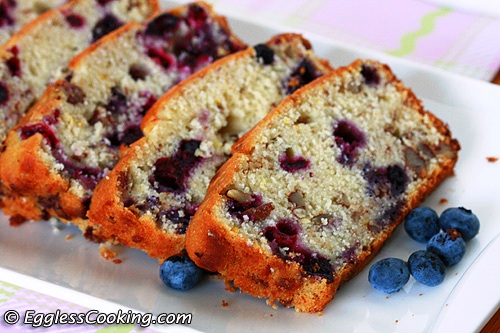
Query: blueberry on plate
(448, 246)
(180, 273)
(422, 223)
(426, 268)
(462, 219)
(389, 275)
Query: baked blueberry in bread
(40, 50)
(14, 14)
(312, 192)
(53, 159)
(148, 199)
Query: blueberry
(264, 53)
(389, 275)
(371, 75)
(14, 63)
(426, 268)
(350, 139)
(4, 93)
(422, 223)
(171, 173)
(448, 246)
(304, 73)
(283, 239)
(462, 219)
(294, 164)
(75, 20)
(104, 26)
(179, 272)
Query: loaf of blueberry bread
(148, 199)
(14, 14)
(312, 192)
(53, 159)
(40, 50)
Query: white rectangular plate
(37, 256)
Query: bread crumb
(443, 201)
(117, 261)
(224, 303)
(68, 237)
(106, 253)
(492, 159)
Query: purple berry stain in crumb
(128, 114)
(4, 93)
(180, 217)
(104, 26)
(13, 63)
(161, 58)
(386, 181)
(283, 238)
(162, 25)
(104, 2)
(350, 139)
(188, 49)
(41, 128)
(293, 163)
(6, 17)
(171, 173)
(75, 20)
(197, 16)
(88, 176)
(302, 75)
(370, 74)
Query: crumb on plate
(492, 159)
(106, 253)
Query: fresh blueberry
(462, 219)
(426, 268)
(448, 246)
(422, 223)
(179, 272)
(389, 275)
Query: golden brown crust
(213, 246)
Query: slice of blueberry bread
(16, 13)
(52, 160)
(40, 50)
(148, 199)
(313, 191)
